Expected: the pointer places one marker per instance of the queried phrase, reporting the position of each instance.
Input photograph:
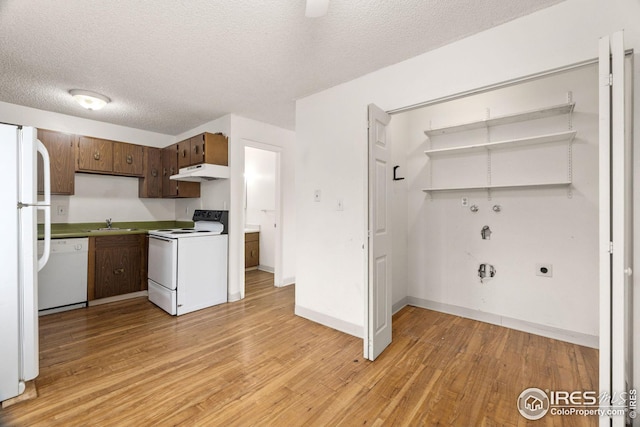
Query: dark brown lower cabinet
(251, 250)
(119, 265)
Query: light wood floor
(253, 362)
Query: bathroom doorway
(261, 210)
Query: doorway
(535, 189)
(261, 210)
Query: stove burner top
(206, 222)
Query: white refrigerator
(19, 208)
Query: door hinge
(606, 79)
(611, 247)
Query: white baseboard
(508, 322)
(266, 268)
(400, 305)
(118, 298)
(234, 297)
(331, 322)
(288, 281)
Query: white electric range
(188, 266)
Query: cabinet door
(197, 149)
(169, 167)
(150, 185)
(119, 265)
(251, 250)
(60, 147)
(216, 149)
(94, 155)
(184, 153)
(127, 159)
(188, 189)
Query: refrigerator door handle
(46, 172)
(45, 205)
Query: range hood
(201, 172)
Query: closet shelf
(539, 139)
(503, 120)
(499, 187)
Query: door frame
(277, 274)
(616, 219)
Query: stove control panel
(210, 215)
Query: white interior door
(378, 335)
(615, 226)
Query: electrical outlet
(340, 205)
(464, 201)
(61, 210)
(544, 270)
(317, 195)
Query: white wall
(534, 226)
(97, 197)
(260, 176)
(332, 135)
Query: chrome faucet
(108, 221)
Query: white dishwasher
(62, 283)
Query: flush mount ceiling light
(316, 8)
(89, 100)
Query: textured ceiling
(171, 65)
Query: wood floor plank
(253, 362)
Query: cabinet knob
(195, 149)
(96, 156)
(184, 153)
(164, 171)
(129, 159)
(154, 172)
(171, 170)
(253, 253)
(118, 271)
